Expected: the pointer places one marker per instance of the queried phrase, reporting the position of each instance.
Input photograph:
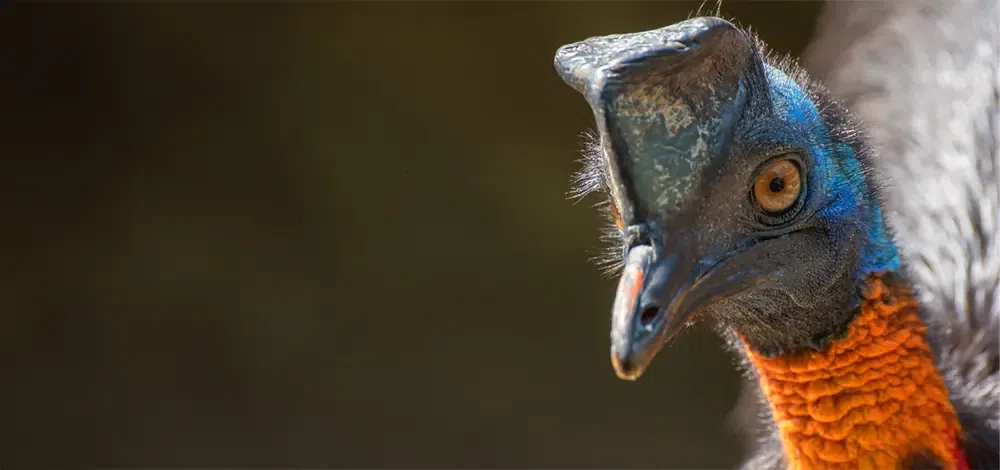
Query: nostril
(648, 316)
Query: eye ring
(778, 187)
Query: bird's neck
(872, 399)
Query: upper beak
(654, 302)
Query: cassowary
(853, 267)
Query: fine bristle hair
(591, 178)
(592, 175)
(610, 257)
(718, 9)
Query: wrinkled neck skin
(871, 396)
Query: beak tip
(625, 367)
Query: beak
(654, 302)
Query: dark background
(327, 235)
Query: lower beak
(651, 306)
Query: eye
(777, 188)
(616, 215)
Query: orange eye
(616, 215)
(778, 186)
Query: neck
(872, 399)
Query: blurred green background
(325, 235)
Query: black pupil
(777, 184)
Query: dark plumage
(744, 194)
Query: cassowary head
(741, 193)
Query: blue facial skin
(837, 175)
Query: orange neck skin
(872, 400)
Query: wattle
(872, 399)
